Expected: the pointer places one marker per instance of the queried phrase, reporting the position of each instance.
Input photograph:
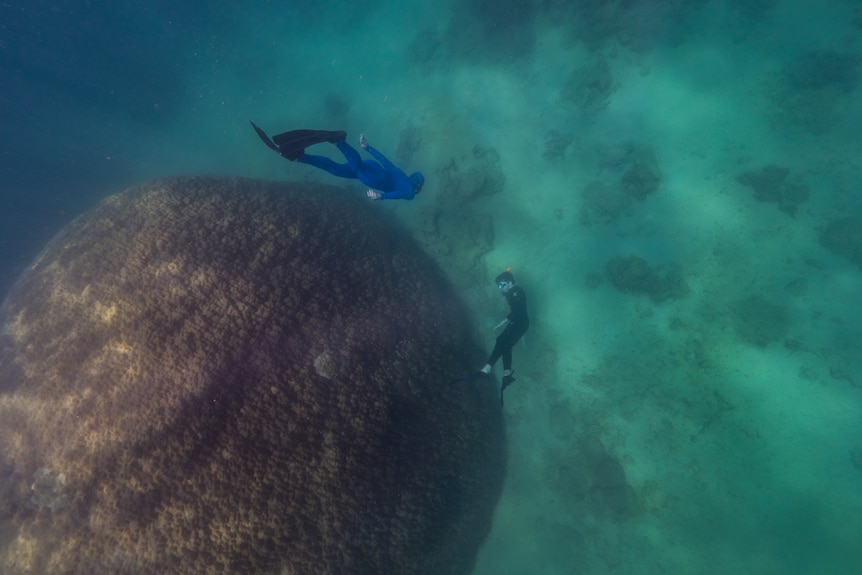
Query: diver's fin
(507, 381)
(292, 144)
(469, 377)
(263, 136)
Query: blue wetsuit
(384, 176)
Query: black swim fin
(507, 381)
(292, 144)
(469, 377)
(263, 136)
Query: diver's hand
(363, 143)
(502, 324)
(374, 194)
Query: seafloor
(674, 184)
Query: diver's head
(418, 181)
(506, 281)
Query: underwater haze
(675, 184)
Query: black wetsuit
(517, 327)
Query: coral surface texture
(218, 375)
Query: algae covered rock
(212, 375)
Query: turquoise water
(694, 411)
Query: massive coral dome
(212, 375)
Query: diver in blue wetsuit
(382, 175)
(385, 180)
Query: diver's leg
(514, 334)
(511, 337)
(507, 360)
(381, 158)
(326, 164)
(499, 349)
(350, 154)
(369, 173)
(499, 346)
(503, 348)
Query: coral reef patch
(637, 176)
(589, 88)
(816, 90)
(771, 184)
(490, 31)
(478, 175)
(759, 322)
(409, 142)
(642, 178)
(592, 480)
(556, 144)
(843, 236)
(639, 25)
(218, 375)
(824, 69)
(632, 275)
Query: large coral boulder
(210, 375)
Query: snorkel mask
(505, 280)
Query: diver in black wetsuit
(514, 327)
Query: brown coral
(208, 375)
